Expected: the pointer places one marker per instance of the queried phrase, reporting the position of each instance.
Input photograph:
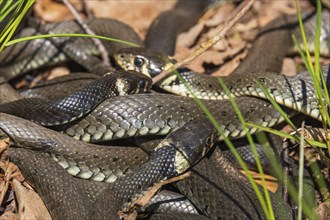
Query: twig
(232, 20)
(143, 200)
(97, 42)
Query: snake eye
(138, 61)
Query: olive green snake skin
(293, 92)
(124, 117)
(117, 162)
(17, 59)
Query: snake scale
(111, 120)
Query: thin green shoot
(279, 173)
(15, 41)
(5, 10)
(16, 6)
(230, 146)
(287, 136)
(317, 39)
(317, 76)
(303, 35)
(275, 104)
(270, 211)
(301, 173)
(10, 30)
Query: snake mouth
(154, 71)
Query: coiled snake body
(145, 114)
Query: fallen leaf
(57, 72)
(138, 14)
(230, 66)
(30, 205)
(289, 67)
(52, 11)
(187, 39)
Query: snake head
(142, 60)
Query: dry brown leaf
(230, 66)
(289, 67)
(8, 174)
(316, 134)
(222, 46)
(57, 72)
(210, 56)
(4, 144)
(52, 11)
(220, 15)
(138, 14)
(323, 60)
(271, 182)
(187, 39)
(246, 27)
(285, 7)
(213, 17)
(30, 205)
(8, 215)
(213, 57)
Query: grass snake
(107, 124)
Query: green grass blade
(317, 38)
(270, 212)
(301, 174)
(7, 9)
(321, 90)
(287, 136)
(10, 30)
(10, 25)
(303, 35)
(274, 103)
(15, 41)
(301, 53)
(230, 146)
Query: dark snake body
(180, 19)
(35, 137)
(266, 41)
(64, 202)
(100, 163)
(173, 156)
(99, 129)
(209, 183)
(60, 87)
(16, 60)
(29, 135)
(159, 114)
(79, 103)
(293, 92)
